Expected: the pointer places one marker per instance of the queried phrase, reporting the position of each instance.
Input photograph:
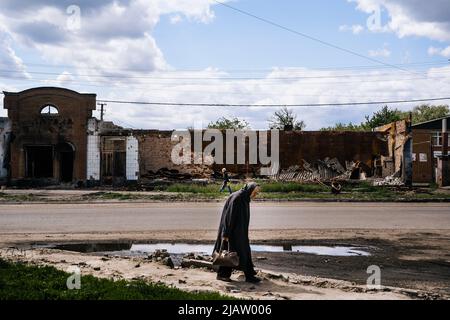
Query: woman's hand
(226, 239)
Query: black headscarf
(248, 189)
(234, 225)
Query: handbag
(225, 258)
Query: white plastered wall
(93, 151)
(132, 159)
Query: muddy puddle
(137, 249)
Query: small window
(49, 110)
(437, 139)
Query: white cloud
(445, 52)
(176, 19)
(383, 52)
(429, 19)
(9, 59)
(112, 34)
(306, 86)
(65, 77)
(279, 86)
(355, 29)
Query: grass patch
(18, 197)
(265, 187)
(19, 281)
(292, 187)
(112, 196)
(213, 188)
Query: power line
(270, 105)
(220, 78)
(411, 64)
(104, 101)
(275, 24)
(223, 81)
(247, 94)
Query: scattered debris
(393, 180)
(192, 263)
(168, 262)
(261, 258)
(323, 170)
(167, 174)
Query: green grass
(18, 197)
(358, 191)
(199, 189)
(19, 281)
(292, 187)
(265, 187)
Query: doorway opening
(66, 158)
(39, 161)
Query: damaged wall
(296, 149)
(155, 150)
(50, 146)
(112, 153)
(5, 131)
(400, 150)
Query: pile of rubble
(161, 256)
(195, 260)
(321, 170)
(392, 180)
(165, 173)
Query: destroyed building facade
(50, 136)
(45, 137)
(430, 151)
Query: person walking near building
(226, 180)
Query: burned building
(47, 135)
(50, 136)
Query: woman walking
(233, 231)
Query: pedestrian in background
(226, 180)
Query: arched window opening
(49, 110)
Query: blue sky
(237, 41)
(135, 40)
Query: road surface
(129, 217)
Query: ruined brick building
(47, 134)
(430, 151)
(51, 137)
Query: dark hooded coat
(234, 225)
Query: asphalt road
(126, 217)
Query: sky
(202, 51)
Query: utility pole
(102, 110)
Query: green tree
(427, 112)
(379, 118)
(344, 127)
(225, 123)
(382, 117)
(286, 119)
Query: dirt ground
(414, 263)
